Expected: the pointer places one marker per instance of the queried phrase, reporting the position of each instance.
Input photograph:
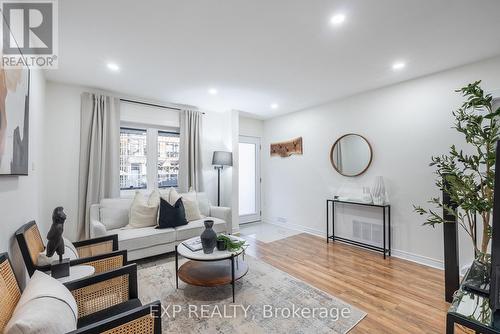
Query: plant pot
(208, 237)
(221, 245)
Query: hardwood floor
(399, 296)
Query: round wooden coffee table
(209, 270)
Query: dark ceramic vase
(208, 237)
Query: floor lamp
(219, 160)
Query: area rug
(267, 301)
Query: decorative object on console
(208, 237)
(219, 160)
(14, 121)
(367, 196)
(378, 191)
(352, 192)
(55, 244)
(351, 155)
(287, 148)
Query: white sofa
(111, 217)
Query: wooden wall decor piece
(287, 148)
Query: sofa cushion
(171, 215)
(201, 200)
(137, 238)
(114, 212)
(195, 228)
(191, 209)
(144, 212)
(46, 306)
(203, 203)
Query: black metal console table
(386, 215)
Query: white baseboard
(295, 227)
(424, 260)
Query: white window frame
(151, 155)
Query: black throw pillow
(171, 216)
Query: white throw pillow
(46, 306)
(203, 204)
(191, 209)
(201, 200)
(70, 252)
(165, 193)
(144, 213)
(114, 212)
(174, 196)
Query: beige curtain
(99, 175)
(190, 167)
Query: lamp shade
(222, 158)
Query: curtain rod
(152, 105)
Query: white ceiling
(260, 52)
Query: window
(133, 158)
(168, 159)
(149, 158)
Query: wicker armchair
(107, 302)
(101, 253)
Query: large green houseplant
(469, 177)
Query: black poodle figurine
(56, 242)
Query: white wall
(251, 127)
(62, 143)
(405, 124)
(19, 195)
(61, 152)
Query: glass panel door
(249, 179)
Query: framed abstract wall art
(14, 121)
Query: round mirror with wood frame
(351, 155)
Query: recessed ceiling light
(274, 106)
(337, 19)
(113, 67)
(398, 66)
(212, 91)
